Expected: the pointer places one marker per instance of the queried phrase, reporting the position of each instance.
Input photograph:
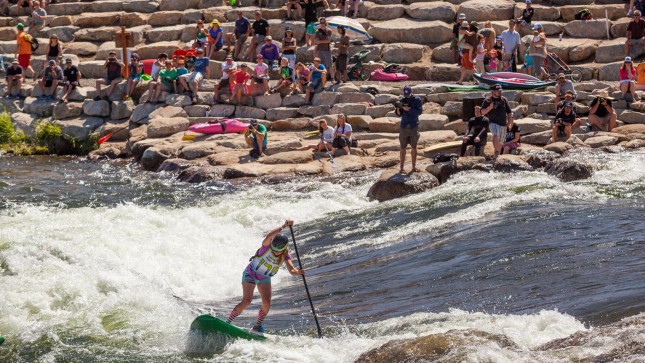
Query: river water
(101, 262)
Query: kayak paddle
(313, 311)
(108, 136)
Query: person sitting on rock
(512, 138)
(602, 116)
(71, 79)
(527, 14)
(327, 135)
(256, 137)
(289, 46)
(561, 87)
(240, 34)
(53, 74)
(302, 78)
(242, 80)
(260, 76)
(286, 76)
(201, 36)
(568, 96)
(158, 65)
(295, 5)
(37, 19)
(215, 38)
(113, 67)
(342, 135)
(135, 68)
(228, 69)
(317, 80)
(166, 81)
(627, 74)
(14, 79)
(271, 53)
(635, 5)
(635, 33)
(565, 120)
(260, 29)
(477, 133)
(200, 71)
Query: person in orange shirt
(24, 51)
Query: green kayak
(208, 324)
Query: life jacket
(266, 264)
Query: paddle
(313, 311)
(331, 158)
(108, 136)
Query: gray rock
(80, 128)
(281, 113)
(267, 102)
(482, 10)
(153, 157)
(314, 111)
(167, 112)
(437, 10)
(325, 99)
(509, 163)
(379, 111)
(530, 125)
(38, 107)
(178, 100)
(349, 108)
(163, 127)
(198, 150)
(443, 171)
(453, 109)
(402, 53)
(602, 140)
(174, 165)
(432, 122)
(392, 185)
(121, 109)
(142, 111)
(200, 174)
(68, 110)
(249, 112)
(410, 31)
(222, 110)
(197, 110)
(291, 124)
(569, 170)
(24, 122)
(293, 101)
(558, 147)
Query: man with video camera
(601, 114)
(409, 108)
(256, 137)
(564, 121)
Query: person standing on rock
(23, 51)
(511, 41)
(499, 112)
(635, 33)
(538, 49)
(323, 46)
(409, 108)
(455, 38)
(265, 264)
(477, 133)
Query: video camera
(404, 102)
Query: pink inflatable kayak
(380, 75)
(223, 126)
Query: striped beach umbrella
(352, 27)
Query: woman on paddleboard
(264, 264)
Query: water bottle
(560, 36)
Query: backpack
(33, 42)
(583, 14)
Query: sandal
(416, 170)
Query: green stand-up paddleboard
(207, 324)
(1, 340)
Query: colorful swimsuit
(263, 266)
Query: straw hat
(604, 94)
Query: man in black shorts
(409, 108)
(53, 74)
(477, 133)
(71, 79)
(14, 79)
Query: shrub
(6, 128)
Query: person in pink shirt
(627, 74)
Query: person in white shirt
(511, 41)
(327, 135)
(342, 135)
(228, 68)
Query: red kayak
(380, 75)
(223, 126)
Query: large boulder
(437, 10)
(167, 33)
(222, 110)
(631, 117)
(294, 101)
(432, 122)
(102, 34)
(165, 112)
(81, 127)
(325, 99)
(509, 163)
(402, 53)
(84, 49)
(165, 18)
(349, 108)
(594, 29)
(289, 157)
(538, 138)
(530, 125)
(154, 156)
(568, 170)
(175, 5)
(281, 113)
(121, 109)
(391, 185)
(249, 112)
(443, 171)
(163, 127)
(385, 12)
(68, 110)
(38, 107)
(385, 124)
(611, 51)
(270, 101)
(602, 140)
(379, 111)
(140, 6)
(150, 51)
(541, 12)
(630, 129)
(198, 150)
(482, 10)
(411, 31)
(609, 71)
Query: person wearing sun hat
(602, 116)
(215, 38)
(627, 74)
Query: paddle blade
(104, 138)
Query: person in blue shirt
(317, 79)
(200, 71)
(215, 38)
(239, 35)
(409, 108)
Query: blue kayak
(512, 80)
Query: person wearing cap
(158, 65)
(52, 75)
(260, 76)
(511, 40)
(635, 33)
(602, 116)
(322, 41)
(201, 36)
(499, 112)
(289, 46)
(113, 68)
(14, 77)
(260, 29)
(409, 108)
(215, 38)
(166, 81)
(228, 69)
(455, 37)
(569, 95)
(71, 79)
(565, 121)
(537, 50)
(201, 70)
(561, 87)
(135, 71)
(271, 53)
(23, 51)
(256, 137)
(266, 262)
(317, 79)
(476, 134)
(37, 19)
(527, 14)
(627, 75)
(286, 76)
(240, 34)
(343, 53)
(242, 80)
(294, 5)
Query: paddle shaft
(331, 158)
(304, 280)
(108, 136)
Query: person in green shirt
(256, 137)
(166, 81)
